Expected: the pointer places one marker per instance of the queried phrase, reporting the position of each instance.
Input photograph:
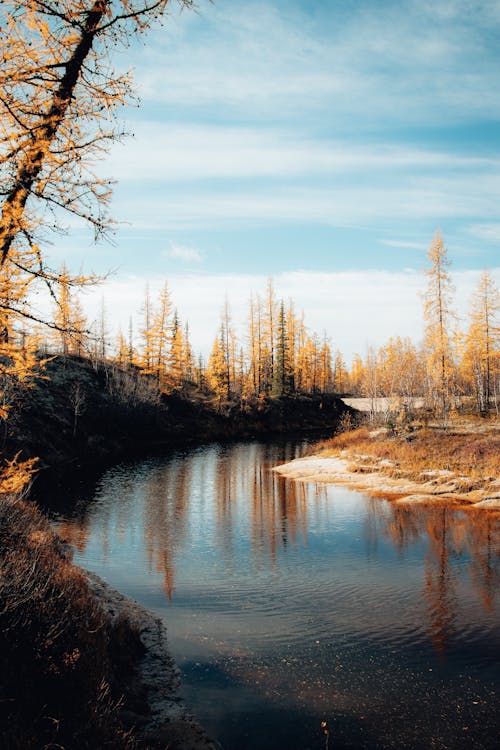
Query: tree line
(450, 363)
(278, 355)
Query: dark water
(289, 605)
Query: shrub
(57, 686)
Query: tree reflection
(450, 534)
(166, 508)
(440, 583)
(483, 536)
(75, 532)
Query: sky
(320, 143)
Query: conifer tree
(438, 314)
(217, 367)
(69, 321)
(282, 374)
(481, 348)
(160, 335)
(176, 360)
(145, 359)
(58, 90)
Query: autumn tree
(438, 315)
(69, 321)
(356, 375)
(160, 335)
(325, 366)
(253, 345)
(283, 367)
(180, 356)
(267, 326)
(217, 367)
(58, 93)
(18, 358)
(340, 374)
(481, 351)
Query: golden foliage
(15, 475)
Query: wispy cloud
(375, 60)
(351, 205)
(185, 254)
(403, 244)
(200, 152)
(489, 232)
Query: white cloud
(374, 61)
(369, 204)
(489, 232)
(183, 152)
(404, 244)
(186, 254)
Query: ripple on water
(306, 601)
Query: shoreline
(165, 720)
(435, 487)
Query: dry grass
(59, 685)
(465, 451)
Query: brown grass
(59, 685)
(470, 454)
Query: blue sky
(315, 137)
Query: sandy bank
(165, 721)
(433, 487)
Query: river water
(299, 609)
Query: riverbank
(428, 464)
(80, 664)
(80, 415)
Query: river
(303, 615)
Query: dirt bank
(80, 415)
(163, 720)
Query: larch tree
(269, 329)
(176, 361)
(481, 350)
(146, 353)
(228, 342)
(187, 355)
(121, 357)
(58, 94)
(356, 375)
(291, 332)
(69, 321)
(253, 384)
(340, 374)
(217, 367)
(160, 335)
(326, 370)
(18, 361)
(438, 315)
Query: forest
(453, 368)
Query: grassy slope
(469, 448)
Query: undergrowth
(59, 686)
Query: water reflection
(302, 598)
(169, 501)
